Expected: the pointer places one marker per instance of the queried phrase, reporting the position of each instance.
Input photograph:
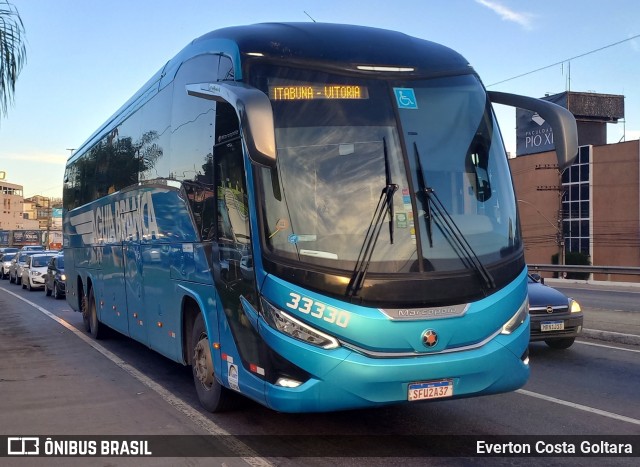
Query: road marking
(585, 408)
(241, 449)
(607, 346)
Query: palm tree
(12, 52)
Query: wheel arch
(192, 305)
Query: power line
(566, 60)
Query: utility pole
(559, 227)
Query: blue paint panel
(343, 379)
(369, 328)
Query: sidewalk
(622, 327)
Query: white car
(34, 270)
(5, 264)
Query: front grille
(543, 310)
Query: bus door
(231, 246)
(134, 285)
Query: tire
(560, 344)
(47, 290)
(96, 328)
(84, 309)
(212, 395)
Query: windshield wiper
(449, 228)
(385, 205)
(422, 186)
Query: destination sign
(314, 91)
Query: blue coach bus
(315, 216)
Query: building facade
(593, 207)
(11, 216)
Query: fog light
(288, 383)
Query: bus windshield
(342, 140)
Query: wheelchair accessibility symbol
(406, 98)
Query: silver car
(17, 264)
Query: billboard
(27, 237)
(533, 133)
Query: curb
(609, 336)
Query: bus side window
(233, 222)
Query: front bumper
(344, 379)
(572, 326)
(36, 281)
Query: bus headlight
(290, 326)
(574, 306)
(517, 319)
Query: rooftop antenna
(309, 16)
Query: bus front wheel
(213, 396)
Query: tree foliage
(13, 52)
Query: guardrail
(608, 270)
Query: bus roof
(343, 44)
(339, 46)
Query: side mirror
(254, 111)
(537, 277)
(563, 123)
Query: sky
(85, 58)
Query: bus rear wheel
(212, 395)
(96, 328)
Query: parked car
(34, 269)
(17, 263)
(5, 264)
(55, 282)
(555, 318)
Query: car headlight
(517, 319)
(574, 306)
(295, 328)
(63, 277)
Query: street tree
(12, 52)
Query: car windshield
(23, 257)
(336, 155)
(60, 262)
(8, 257)
(40, 261)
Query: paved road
(611, 310)
(56, 380)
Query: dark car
(54, 279)
(555, 318)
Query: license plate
(552, 326)
(430, 390)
